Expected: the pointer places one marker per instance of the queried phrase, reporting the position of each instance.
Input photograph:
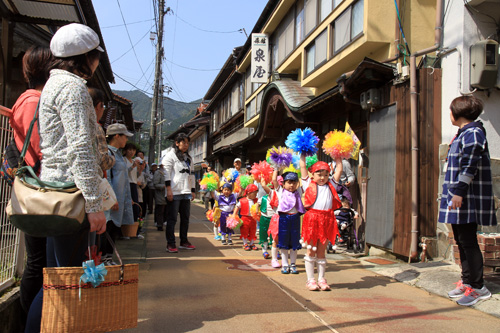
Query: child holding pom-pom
(290, 208)
(226, 202)
(319, 224)
(268, 205)
(249, 227)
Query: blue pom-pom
(303, 141)
(296, 161)
(235, 175)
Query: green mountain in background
(176, 113)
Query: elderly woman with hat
(67, 127)
(121, 214)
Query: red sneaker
(187, 246)
(171, 248)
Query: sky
(198, 37)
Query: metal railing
(12, 250)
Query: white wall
(461, 30)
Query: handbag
(108, 194)
(71, 306)
(42, 208)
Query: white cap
(237, 159)
(114, 129)
(74, 39)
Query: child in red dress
(319, 224)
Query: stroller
(346, 226)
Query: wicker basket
(113, 305)
(130, 230)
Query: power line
(121, 25)
(211, 31)
(147, 32)
(193, 69)
(128, 34)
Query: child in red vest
(249, 227)
(319, 224)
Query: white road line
(312, 313)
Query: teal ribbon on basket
(91, 273)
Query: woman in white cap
(121, 214)
(67, 127)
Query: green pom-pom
(245, 180)
(310, 160)
(212, 185)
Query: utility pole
(154, 104)
(160, 120)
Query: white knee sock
(245, 241)
(228, 236)
(293, 257)
(321, 263)
(284, 257)
(309, 263)
(274, 253)
(216, 231)
(264, 247)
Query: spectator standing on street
(160, 196)
(180, 184)
(35, 71)
(132, 165)
(106, 161)
(151, 187)
(467, 199)
(67, 127)
(121, 213)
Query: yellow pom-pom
(338, 144)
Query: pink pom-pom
(233, 222)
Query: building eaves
(53, 14)
(261, 22)
(224, 73)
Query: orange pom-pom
(338, 144)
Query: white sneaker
(139, 236)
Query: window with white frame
(316, 53)
(241, 95)
(286, 36)
(348, 25)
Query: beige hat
(74, 39)
(114, 129)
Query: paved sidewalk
(216, 288)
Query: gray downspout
(438, 32)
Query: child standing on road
(249, 227)
(467, 198)
(319, 224)
(290, 208)
(226, 201)
(267, 206)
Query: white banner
(260, 58)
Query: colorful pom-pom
(280, 157)
(237, 186)
(338, 144)
(210, 215)
(245, 180)
(310, 160)
(209, 182)
(233, 222)
(255, 212)
(262, 169)
(303, 141)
